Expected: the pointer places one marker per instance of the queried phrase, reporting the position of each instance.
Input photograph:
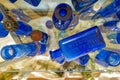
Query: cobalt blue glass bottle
(108, 10)
(80, 44)
(80, 5)
(62, 16)
(114, 38)
(83, 60)
(23, 29)
(1, 17)
(33, 2)
(12, 1)
(3, 31)
(19, 50)
(57, 56)
(108, 58)
(113, 25)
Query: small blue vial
(80, 44)
(17, 51)
(1, 17)
(108, 10)
(112, 25)
(62, 16)
(23, 29)
(3, 31)
(83, 60)
(33, 2)
(108, 58)
(81, 5)
(114, 38)
(57, 56)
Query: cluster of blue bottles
(108, 58)
(77, 46)
(32, 2)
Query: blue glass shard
(12, 1)
(112, 25)
(62, 16)
(80, 5)
(57, 56)
(33, 2)
(18, 51)
(23, 29)
(83, 60)
(1, 17)
(81, 43)
(107, 58)
(108, 10)
(3, 31)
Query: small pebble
(36, 35)
(49, 24)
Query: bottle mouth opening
(63, 12)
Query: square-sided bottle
(81, 44)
